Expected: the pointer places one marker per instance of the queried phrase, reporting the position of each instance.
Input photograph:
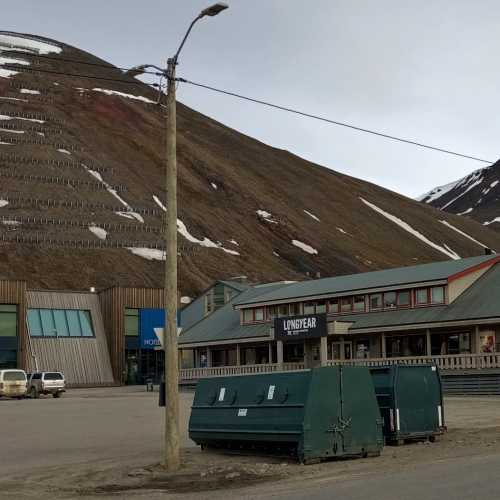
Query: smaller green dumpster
(410, 400)
(311, 414)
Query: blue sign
(149, 319)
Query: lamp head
(214, 9)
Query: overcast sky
(425, 70)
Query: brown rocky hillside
(81, 162)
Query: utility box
(410, 400)
(312, 414)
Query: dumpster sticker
(242, 412)
(222, 393)
(270, 392)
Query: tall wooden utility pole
(172, 447)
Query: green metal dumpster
(312, 414)
(410, 400)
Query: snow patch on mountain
(9, 131)
(64, 151)
(468, 211)
(404, 225)
(311, 215)
(468, 236)
(34, 120)
(98, 231)
(130, 211)
(124, 95)
(305, 247)
(25, 44)
(3, 203)
(148, 253)
(214, 185)
(267, 216)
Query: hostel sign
(300, 327)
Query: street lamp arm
(176, 56)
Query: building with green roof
(446, 312)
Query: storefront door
(337, 350)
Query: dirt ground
(93, 467)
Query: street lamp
(172, 446)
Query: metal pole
(171, 457)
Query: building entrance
(142, 364)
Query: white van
(13, 383)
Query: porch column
(270, 357)
(428, 345)
(342, 350)
(238, 355)
(323, 351)
(209, 357)
(279, 352)
(383, 348)
(477, 342)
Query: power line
(63, 59)
(334, 122)
(21, 69)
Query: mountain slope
(82, 190)
(476, 195)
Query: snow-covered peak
(23, 43)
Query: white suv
(46, 383)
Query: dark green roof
(224, 323)
(479, 301)
(376, 279)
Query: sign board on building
(300, 327)
(149, 319)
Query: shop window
(404, 298)
(259, 314)
(390, 300)
(363, 349)
(333, 306)
(8, 359)
(346, 304)
(421, 296)
(60, 323)
(320, 307)
(376, 301)
(8, 321)
(453, 343)
(437, 295)
(359, 303)
(411, 345)
(309, 307)
(132, 322)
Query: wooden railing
(222, 371)
(445, 362)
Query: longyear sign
(300, 327)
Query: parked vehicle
(13, 383)
(46, 383)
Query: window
(333, 306)
(272, 312)
(283, 310)
(376, 301)
(389, 300)
(359, 303)
(247, 315)
(295, 309)
(437, 295)
(132, 322)
(404, 298)
(309, 307)
(346, 304)
(60, 323)
(259, 314)
(320, 307)
(8, 321)
(52, 376)
(421, 296)
(14, 376)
